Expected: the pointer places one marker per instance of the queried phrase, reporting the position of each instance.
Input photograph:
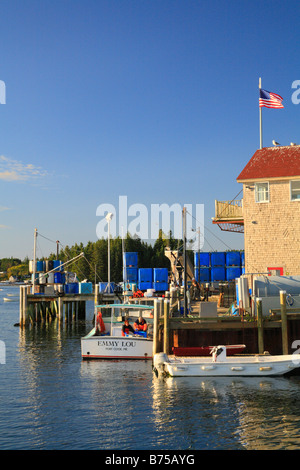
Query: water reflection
(51, 399)
(119, 397)
(48, 363)
(228, 413)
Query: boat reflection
(252, 413)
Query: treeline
(94, 265)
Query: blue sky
(155, 100)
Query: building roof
(272, 162)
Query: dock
(276, 333)
(65, 307)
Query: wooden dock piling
(260, 326)
(284, 328)
(38, 307)
(155, 327)
(166, 325)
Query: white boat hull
(116, 347)
(248, 366)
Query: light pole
(108, 217)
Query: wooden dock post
(60, 309)
(160, 311)
(155, 327)
(96, 294)
(21, 305)
(24, 308)
(260, 326)
(166, 325)
(284, 327)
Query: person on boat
(127, 328)
(100, 327)
(140, 324)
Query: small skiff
(221, 365)
(10, 299)
(231, 349)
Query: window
(295, 190)
(261, 192)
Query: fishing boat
(111, 344)
(219, 364)
(231, 349)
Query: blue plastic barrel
(218, 274)
(145, 275)
(130, 259)
(233, 258)
(204, 274)
(130, 274)
(204, 259)
(40, 266)
(233, 272)
(218, 258)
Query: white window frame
(291, 191)
(266, 192)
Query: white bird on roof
(293, 144)
(275, 143)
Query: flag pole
(260, 119)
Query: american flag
(269, 100)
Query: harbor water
(51, 399)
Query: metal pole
(184, 261)
(108, 268)
(260, 121)
(108, 218)
(199, 278)
(34, 260)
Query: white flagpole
(260, 120)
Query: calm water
(51, 399)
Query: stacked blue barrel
(218, 263)
(145, 278)
(160, 279)
(130, 269)
(57, 279)
(156, 279)
(202, 266)
(233, 265)
(218, 266)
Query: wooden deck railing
(229, 209)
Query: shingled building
(269, 213)
(271, 210)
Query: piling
(166, 325)
(97, 294)
(21, 305)
(284, 327)
(260, 326)
(155, 327)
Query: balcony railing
(229, 215)
(229, 209)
